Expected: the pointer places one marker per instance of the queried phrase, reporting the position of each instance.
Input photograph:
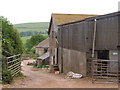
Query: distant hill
(29, 29)
(26, 30)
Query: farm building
(42, 49)
(89, 47)
(56, 20)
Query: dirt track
(38, 78)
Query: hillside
(29, 29)
(26, 30)
(36, 26)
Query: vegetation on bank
(11, 45)
(11, 41)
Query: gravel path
(38, 78)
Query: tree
(33, 41)
(11, 42)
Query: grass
(24, 39)
(19, 75)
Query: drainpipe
(94, 38)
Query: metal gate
(14, 64)
(104, 71)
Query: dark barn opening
(103, 54)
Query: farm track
(38, 78)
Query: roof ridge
(71, 14)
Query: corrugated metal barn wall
(72, 37)
(107, 33)
(75, 39)
(79, 36)
(69, 58)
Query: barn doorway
(103, 54)
(102, 68)
(103, 57)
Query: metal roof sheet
(44, 56)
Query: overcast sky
(23, 11)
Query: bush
(6, 77)
(11, 41)
(33, 41)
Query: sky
(23, 11)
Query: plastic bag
(73, 75)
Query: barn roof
(43, 44)
(65, 18)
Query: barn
(42, 47)
(56, 20)
(89, 47)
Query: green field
(36, 26)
